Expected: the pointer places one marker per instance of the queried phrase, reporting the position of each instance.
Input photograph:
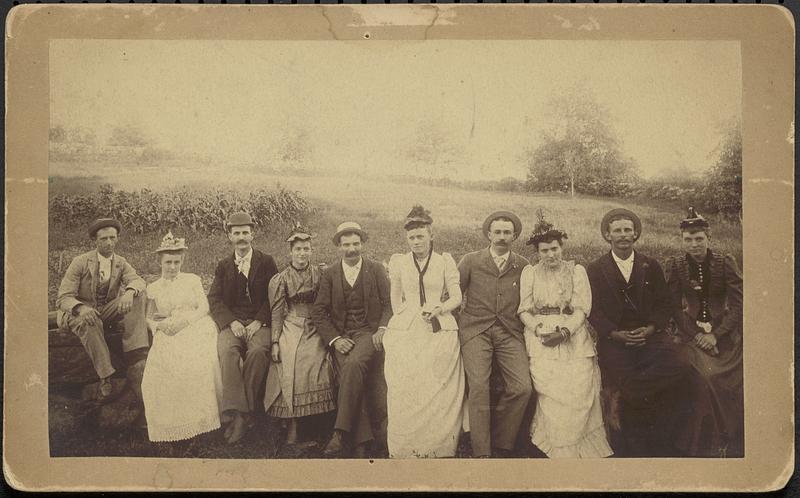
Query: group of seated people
(618, 358)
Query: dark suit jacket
(489, 294)
(223, 291)
(648, 291)
(329, 308)
(724, 295)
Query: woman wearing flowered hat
(299, 382)
(423, 369)
(182, 384)
(555, 299)
(706, 288)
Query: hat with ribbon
(171, 243)
(624, 213)
(103, 223)
(419, 216)
(503, 214)
(346, 228)
(238, 220)
(299, 232)
(693, 220)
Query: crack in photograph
(395, 249)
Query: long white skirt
(182, 383)
(568, 422)
(425, 397)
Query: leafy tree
(723, 186)
(294, 148)
(580, 148)
(433, 150)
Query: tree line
(581, 153)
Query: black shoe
(335, 446)
(502, 453)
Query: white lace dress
(182, 383)
(568, 422)
(424, 374)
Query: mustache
(352, 252)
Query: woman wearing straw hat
(299, 383)
(423, 369)
(182, 384)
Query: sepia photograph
(414, 247)
(453, 249)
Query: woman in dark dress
(706, 287)
(300, 380)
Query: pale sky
(360, 103)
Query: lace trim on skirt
(181, 432)
(305, 404)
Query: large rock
(67, 414)
(68, 362)
(121, 413)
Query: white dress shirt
(243, 263)
(625, 265)
(351, 272)
(500, 261)
(104, 272)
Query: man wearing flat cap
(239, 305)
(353, 303)
(490, 331)
(639, 361)
(100, 288)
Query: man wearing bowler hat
(639, 362)
(99, 288)
(239, 305)
(490, 331)
(352, 304)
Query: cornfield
(199, 210)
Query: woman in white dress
(182, 384)
(423, 369)
(555, 299)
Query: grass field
(380, 208)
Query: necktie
(501, 263)
(240, 264)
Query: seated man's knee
(85, 331)
(519, 390)
(226, 342)
(256, 351)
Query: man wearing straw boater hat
(99, 288)
(239, 305)
(352, 304)
(491, 332)
(639, 362)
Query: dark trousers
(655, 384)
(243, 383)
(496, 428)
(352, 416)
